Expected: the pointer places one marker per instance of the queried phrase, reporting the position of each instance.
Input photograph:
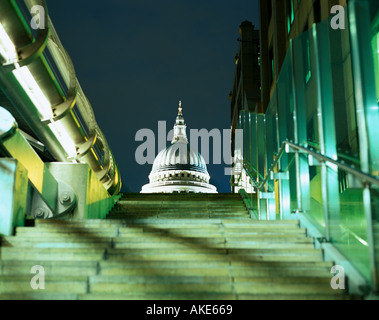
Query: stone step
(211, 279)
(135, 221)
(173, 214)
(132, 227)
(177, 216)
(221, 248)
(77, 223)
(246, 257)
(189, 234)
(213, 237)
(269, 288)
(181, 199)
(155, 232)
(54, 268)
(89, 254)
(292, 265)
(156, 227)
(22, 231)
(241, 272)
(153, 235)
(271, 248)
(182, 207)
(217, 271)
(177, 202)
(201, 233)
(143, 288)
(122, 222)
(210, 296)
(146, 196)
(52, 254)
(175, 297)
(41, 243)
(155, 240)
(211, 221)
(53, 284)
(214, 228)
(147, 237)
(116, 284)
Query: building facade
(281, 21)
(245, 94)
(309, 148)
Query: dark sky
(136, 58)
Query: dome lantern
(180, 128)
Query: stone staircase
(167, 247)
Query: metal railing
(367, 183)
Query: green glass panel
(348, 228)
(271, 142)
(343, 96)
(260, 146)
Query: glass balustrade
(322, 104)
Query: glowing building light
(7, 48)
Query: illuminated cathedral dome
(171, 159)
(178, 168)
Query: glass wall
(322, 104)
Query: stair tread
(167, 247)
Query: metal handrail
(364, 177)
(340, 155)
(274, 164)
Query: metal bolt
(65, 198)
(39, 213)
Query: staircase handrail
(363, 176)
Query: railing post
(300, 121)
(283, 132)
(326, 125)
(370, 235)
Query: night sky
(135, 59)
